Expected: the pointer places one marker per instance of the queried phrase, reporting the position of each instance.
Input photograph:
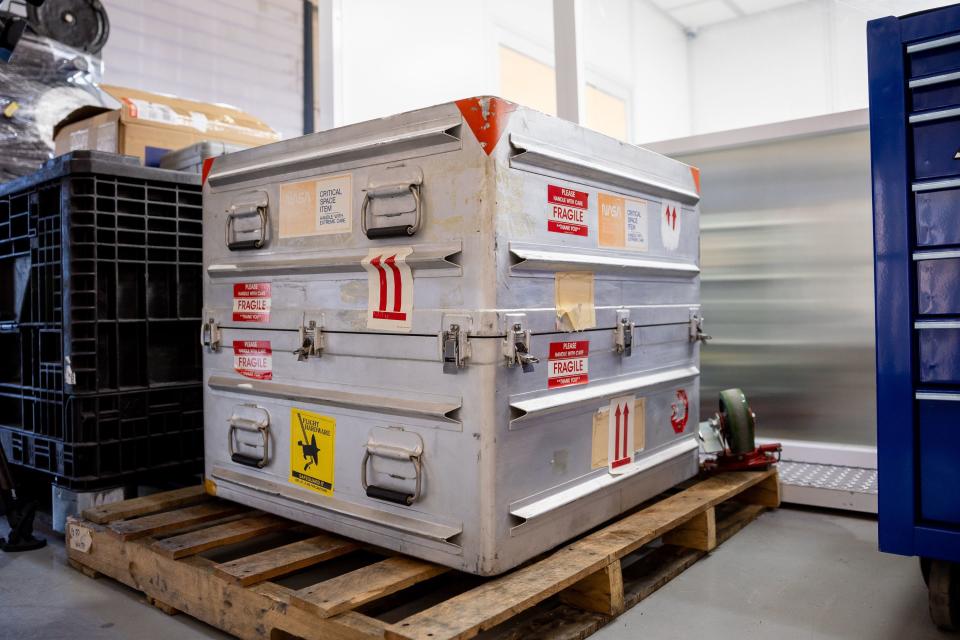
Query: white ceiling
(694, 14)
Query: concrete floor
(791, 574)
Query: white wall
(247, 53)
(802, 60)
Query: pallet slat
(364, 585)
(486, 606)
(595, 578)
(146, 505)
(194, 542)
(283, 560)
(167, 521)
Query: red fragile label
(568, 364)
(251, 302)
(566, 210)
(568, 197)
(253, 359)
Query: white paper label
(316, 207)
(390, 289)
(80, 538)
(670, 219)
(620, 436)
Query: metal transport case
(100, 300)
(466, 333)
(191, 158)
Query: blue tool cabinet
(914, 66)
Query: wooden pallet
(258, 576)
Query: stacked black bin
(100, 306)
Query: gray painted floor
(790, 574)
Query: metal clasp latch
(516, 344)
(311, 340)
(623, 333)
(210, 335)
(454, 348)
(696, 328)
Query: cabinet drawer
(938, 286)
(936, 142)
(939, 447)
(934, 56)
(938, 216)
(935, 92)
(939, 352)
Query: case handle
(245, 210)
(390, 495)
(244, 424)
(395, 230)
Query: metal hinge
(696, 328)
(311, 339)
(516, 343)
(454, 348)
(623, 333)
(210, 335)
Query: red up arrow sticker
(620, 440)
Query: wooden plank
(601, 592)
(465, 615)
(167, 521)
(190, 586)
(364, 585)
(146, 505)
(700, 532)
(766, 493)
(163, 606)
(283, 560)
(188, 544)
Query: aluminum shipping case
(466, 333)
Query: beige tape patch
(573, 295)
(600, 439)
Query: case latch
(516, 343)
(311, 339)
(623, 334)
(210, 335)
(454, 347)
(696, 328)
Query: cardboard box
(150, 125)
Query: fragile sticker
(620, 433)
(622, 222)
(251, 302)
(389, 289)
(600, 438)
(312, 442)
(568, 364)
(670, 220)
(316, 207)
(253, 359)
(567, 210)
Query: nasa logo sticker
(312, 445)
(671, 219)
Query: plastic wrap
(43, 82)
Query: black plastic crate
(100, 304)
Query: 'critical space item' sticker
(312, 442)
